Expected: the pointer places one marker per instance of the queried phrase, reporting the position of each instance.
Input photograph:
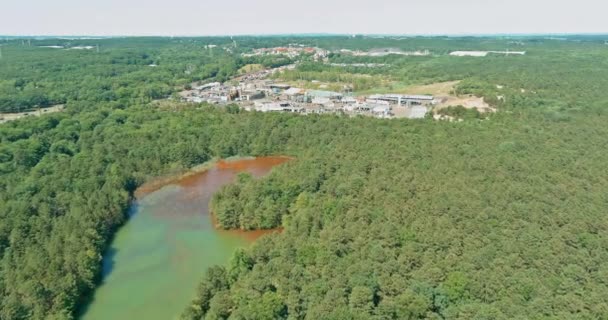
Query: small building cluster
(381, 52)
(291, 52)
(484, 53)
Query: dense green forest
(497, 218)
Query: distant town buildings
(291, 52)
(295, 50)
(381, 52)
(484, 53)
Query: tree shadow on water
(108, 264)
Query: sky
(248, 17)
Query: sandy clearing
(443, 91)
(438, 89)
(6, 117)
(469, 102)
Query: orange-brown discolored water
(156, 260)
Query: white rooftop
(293, 91)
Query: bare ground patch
(6, 117)
(469, 102)
(438, 89)
(444, 93)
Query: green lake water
(159, 256)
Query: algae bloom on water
(154, 263)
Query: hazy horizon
(272, 17)
(304, 34)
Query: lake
(157, 259)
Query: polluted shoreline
(157, 183)
(157, 258)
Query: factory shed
(324, 94)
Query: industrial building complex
(256, 92)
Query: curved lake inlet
(159, 256)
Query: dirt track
(6, 117)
